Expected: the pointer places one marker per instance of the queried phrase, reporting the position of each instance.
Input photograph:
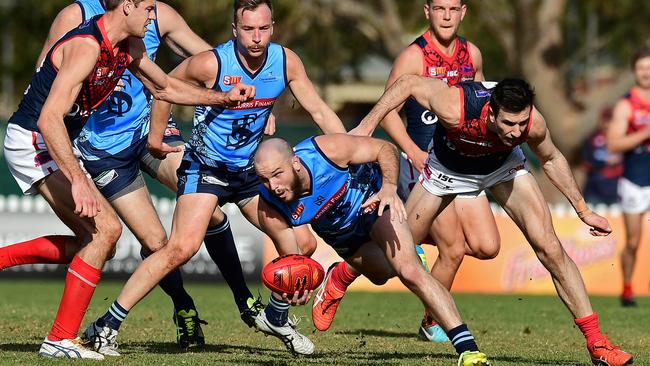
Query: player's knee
(377, 278)
(110, 231)
(452, 255)
(154, 243)
(632, 245)
(412, 275)
(308, 246)
(551, 253)
(177, 255)
(486, 253)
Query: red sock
(46, 249)
(342, 277)
(590, 328)
(80, 283)
(627, 291)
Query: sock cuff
(84, 271)
(117, 311)
(586, 320)
(219, 228)
(278, 304)
(345, 272)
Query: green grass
(370, 329)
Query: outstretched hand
(297, 299)
(162, 150)
(387, 196)
(239, 94)
(599, 225)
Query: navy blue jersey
(637, 160)
(95, 89)
(459, 67)
(124, 117)
(333, 203)
(229, 136)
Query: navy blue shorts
(346, 242)
(229, 186)
(119, 174)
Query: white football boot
(295, 342)
(67, 348)
(101, 339)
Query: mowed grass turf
(370, 329)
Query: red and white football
(291, 273)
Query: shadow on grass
(377, 333)
(343, 357)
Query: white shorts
(635, 199)
(440, 181)
(409, 176)
(27, 157)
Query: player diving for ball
(346, 187)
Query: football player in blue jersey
(113, 150)
(217, 165)
(353, 205)
(78, 74)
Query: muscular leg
(479, 227)
(191, 218)
(447, 234)
(524, 203)
(98, 237)
(138, 213)
(633, 224)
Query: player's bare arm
(558, 171)
(409, 62)
(170, 89)
(304, 91)
(618, 138)
(67, 19)
(198, 70)
(75, 60)
(432, 94)
(345, 149)
(477, 59)
(177, 34)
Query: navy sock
(113, 317)
(221, 247)
(277, 312)
(172, 285)
(462, 339)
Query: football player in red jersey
(629, 133)
(476, 147)
(441, 54)
(79, 72)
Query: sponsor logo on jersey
(269, 77)
(255, 103)
(298, 211)
(466, 69)
(208, 179)
(231, 80)
(438, 72)
(480, 93)
(105, 178)
(332, 201)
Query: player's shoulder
(409, 61)
(71, 14)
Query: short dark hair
(512, 95)
(249, 5)
(112, 4)
(462, 2)
(641, 52)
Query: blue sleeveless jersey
(334, 201)
(228, 137)
(124, 117)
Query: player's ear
(127, 7)
(295, 161)
(463, 10)
(234, 30)
(272, 24)
(426, 10)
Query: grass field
(370, 329)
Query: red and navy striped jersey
(98, 85)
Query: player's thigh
(306, 240)
(57, 191)
(166, 172)
(370, 261)
(478, 224)
(139, 214)
(396, 242)
(249, 210)
(446, 231)
(422, 208)
(522, 199)
(633, 226)
(191, 218)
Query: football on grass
(291, 273)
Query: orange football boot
(604, 353)
(326, 302)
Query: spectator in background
(603, 168)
